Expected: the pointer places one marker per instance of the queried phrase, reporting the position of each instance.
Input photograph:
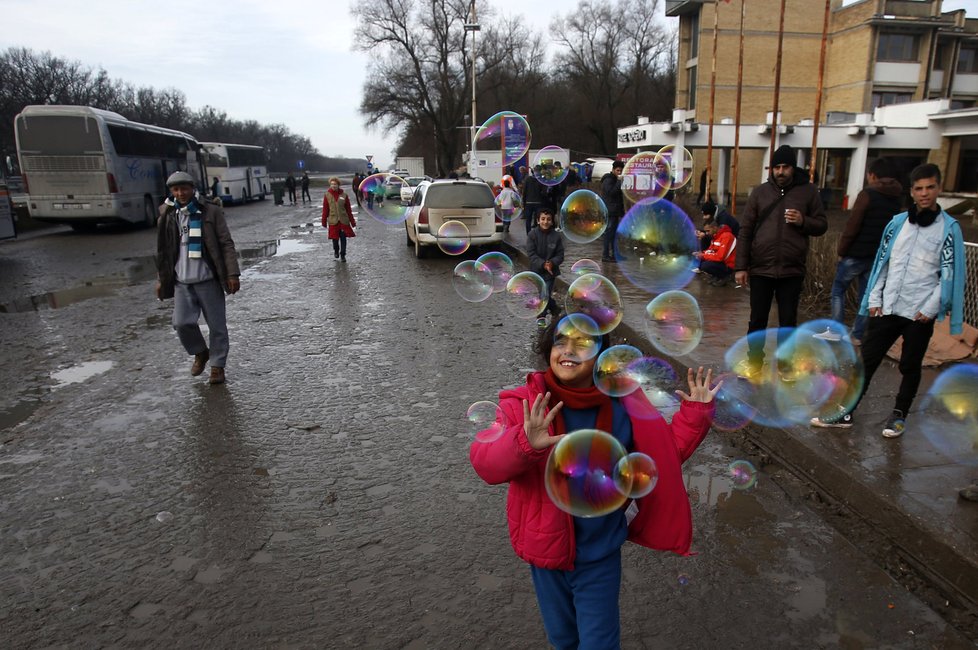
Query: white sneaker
(697, 270)
(828, 335)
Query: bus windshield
(59, 135)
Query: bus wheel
(149, 213)
(244, 196)
(84, 227)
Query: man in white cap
(196, 264)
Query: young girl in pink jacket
(575, 562)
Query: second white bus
(238, 170)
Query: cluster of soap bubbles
(589, 474)
(949, 413)
(525, 293)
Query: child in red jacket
(576, 561)
(717, 261)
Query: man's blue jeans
(848, 270)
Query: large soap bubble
(547, 166)
(453, 237)
(381, 198)
(646, 175)
(680, 164)
(597, 298)
(612, 370)
(654, 246)
(949, 413)
(674, 322)
(472, 281)
(526, 295)
(580, 473)
(486, 420)
(506, 132)
(583, 217)
(501, 267)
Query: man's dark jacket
(612, 195)
(766, 245)
(873, 208)
(219, 252)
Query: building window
(694, 35)
(939, 55)
(885, 99)
(692, 88)
(896, 47)
(957, 104)
(968, 60)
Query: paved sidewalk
(903, 487)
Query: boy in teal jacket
(918, 277)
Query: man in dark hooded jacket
(772, 245)
(873, 208)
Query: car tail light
(423, 215)
(27, 189)
(113, 188)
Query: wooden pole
(818, 93)
(777, 83)
(713, 95)
(740, 92)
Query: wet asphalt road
(322, 498)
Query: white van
(600, 167)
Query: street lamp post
(472, 26)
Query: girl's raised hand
(536, 422)
(699, 387)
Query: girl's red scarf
(578, 398)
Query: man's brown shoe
(199, 361)
(217, 375)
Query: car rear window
(459, 196)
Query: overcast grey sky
(291, 62)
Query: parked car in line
(392, 189)
(435, 202)
(407, 190)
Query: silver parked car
(435, 202)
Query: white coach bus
(240, 169)
(83, 166)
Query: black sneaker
(843, 420)
(895, 424)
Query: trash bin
(278, 191)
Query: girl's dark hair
(545, 341)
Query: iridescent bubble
(501, 267)
(646, 176)
(164, 517)
(453, 237)
(507, 132)
(570, 338)
(949, 413)
(612, 372)
(682, 579)
(819, 378)
(583, 217)
(508, 205)
(526, 295)
(580, 473)
(551, 171)
(487, 420)
(636, 475)
(585, 266)
(654, 246)
(754, 358)
(733, 403)
(674, 323)
(742, 474)
(680, 163)
(596, 297)
(473, 281)
(381, 198)
(656, 380)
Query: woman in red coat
(338, 218)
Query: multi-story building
(878, 53)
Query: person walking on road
(772, 246)
(196, 264)
(614, 200)
(290, 186)
(575, 562)
(304, 182)
(338, 218)
(918, 276)
(545, 248)
(873, 208)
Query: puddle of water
(286, 246)
(141, 269)
(14, 415)
(81, 372)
